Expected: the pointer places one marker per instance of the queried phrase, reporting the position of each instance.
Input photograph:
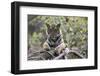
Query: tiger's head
(53, 31)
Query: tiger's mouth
(55, 38)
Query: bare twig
(66, 52)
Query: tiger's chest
(54, 42)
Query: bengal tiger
(54, 39)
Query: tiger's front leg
(46, 46)
(59, 49)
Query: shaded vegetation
(74, 30)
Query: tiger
(54, 39)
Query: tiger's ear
(58, 25)
(48, 26)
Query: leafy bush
(74, 30)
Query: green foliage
(74, 30)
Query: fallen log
(66, 52)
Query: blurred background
(74, 30)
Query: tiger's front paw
(46, 46)
(59, 49)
